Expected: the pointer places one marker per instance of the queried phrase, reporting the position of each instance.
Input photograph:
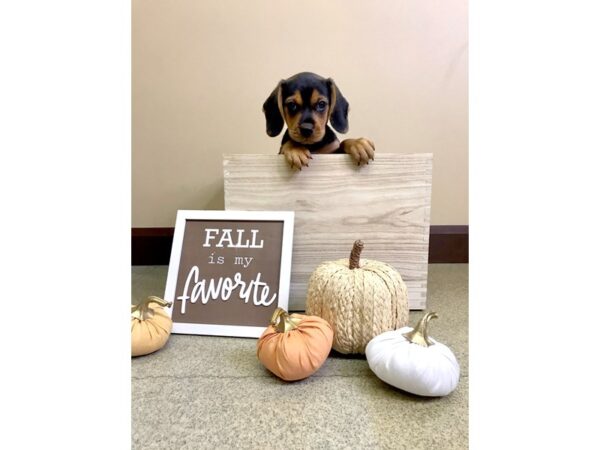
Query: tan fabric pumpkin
(294, 346)
(150, 326)
(359, 298)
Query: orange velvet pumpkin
(294, 346)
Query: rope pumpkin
(359, 298)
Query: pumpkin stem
(419, 334)
(142, 310)
(355, 254)
(282, 321)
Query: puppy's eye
(292, 107)
(320, 106)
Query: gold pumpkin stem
(142, 310)
(419, 334)
(355, 254)
(282, 321)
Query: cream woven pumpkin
(359, 298)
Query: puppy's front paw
(361, 150)
(296, 157)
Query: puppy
(306, 102)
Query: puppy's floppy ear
(273, 110)
(338, 109)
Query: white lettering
(223, 287)
(243, 261)
(239, 241)
(254, 233)
(209, 237)
(193, 275)
(226, 237)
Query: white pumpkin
(410, 360)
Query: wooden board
(386, 204)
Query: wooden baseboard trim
(152, 246)
(448, 244)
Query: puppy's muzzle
(306, 129)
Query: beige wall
(202, 69)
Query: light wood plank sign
(229, 271)
(386, 204)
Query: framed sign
(229, 271)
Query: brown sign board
(229, 271)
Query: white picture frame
(183, 216)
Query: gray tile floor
(211, 392)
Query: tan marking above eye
(296, 98)
(317, 97)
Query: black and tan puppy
(306, 102)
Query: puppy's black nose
(306, 129)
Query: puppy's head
(306, 102)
